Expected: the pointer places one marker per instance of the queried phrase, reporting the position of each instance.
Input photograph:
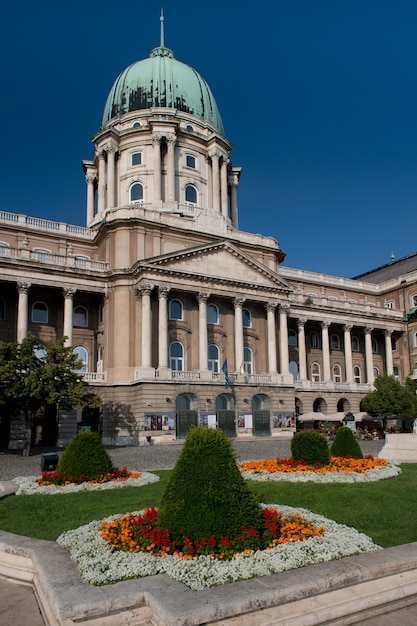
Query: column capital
(163, 291)
(90, 178)
(387, 332)
(270, 306)
(69, 292)
(325, 323)
(301, 321)
(369, 329)
(101, 154)
(285, 307)
(202, 297)
(156, 139)
(238, 302)
(144, 290)
(110, 147)
(23, 287)
(170, 139)
(347, 327)
(215, 154)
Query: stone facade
(180, 317)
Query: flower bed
(140, 533)
(54, 478)
(340, 469)
(100, 563)
(29, 485)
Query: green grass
(386, 510)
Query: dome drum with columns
(178, 316)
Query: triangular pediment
(220, 261)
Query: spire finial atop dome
(162, 44)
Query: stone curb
(324, 593)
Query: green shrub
(345, 444)
(206, 494)
(310, 447)
(86, 455)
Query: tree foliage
(34, 374)
(391, 398)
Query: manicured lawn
(386, 510)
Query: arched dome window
(40, 313)
(136, 193)
(213, 358)
(82, 355)
(191, 195)
(176, 356)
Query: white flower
(100, 564)
(28, 485)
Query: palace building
(178, 316)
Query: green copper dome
(162, 81)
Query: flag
(226, 373)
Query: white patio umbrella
(312, 416)
(335, 417)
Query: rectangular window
(190, 161)
(137, 158)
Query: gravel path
(156, 457)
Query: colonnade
(219, 179)
(273, 339)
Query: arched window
(4, 249)
(176, 310)
(292, 337)
(100, 359)
(40, 352)
(42, 255)
(82, 262)
(396, 373)
(100, 313)
(293, 368)
(414, 301)
(247, 360)
(82, 355)
(40, 313)
(136, 124)
(374, 346)
(80, 316)
(355, 343)
(136, 158)
(213, 358)
(2, 309)
(335, 342)
(315, 372)
(246, 318)
(189, 127)
(357, 375)
(415, 340)
(136, 193)
(337, 373)
(176, 356)
(393, 343)
(314, 340)
(376, 372)
(212, 314)
(191, 195)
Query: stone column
(216, 182)
(22, 311)
(272, 338)
(325, 349)
(163, 327)
(302, 357)
(171, 169)
(233, 203)
(68, 315)
(388, 353)
(111, 158)
(348, 352)
(224, 197)
(102, 201)
(202, 330)
(157, 186)
(284, 310)
(90, 180)
(238, 304)
(144, 292)
(368, 356)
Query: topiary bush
(85, 455)
(310, 447)
(206, 494)
(345, 444)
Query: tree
(391, 398)
(34, 374)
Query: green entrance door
(261, 423)
(185, 419)
(226, 422)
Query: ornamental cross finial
(162, 43)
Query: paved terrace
(377, 589)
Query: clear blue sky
(319, 98)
